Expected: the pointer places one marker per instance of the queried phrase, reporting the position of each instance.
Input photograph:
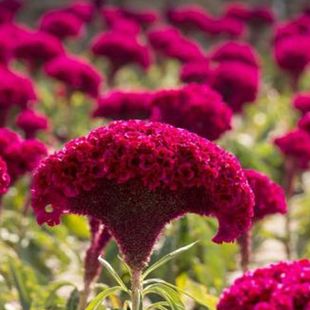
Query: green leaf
(161, 305)
(97, 301)
(113, 273)
(73, 301)
(167, 258)
(53, 293)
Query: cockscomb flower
(136, 176)
(228, 27)
(238, 83)
(21, 156)
(83, 10)
(296, 146)
(260, 16)
(125, 26)
(76, 73)
(195, 72)
(124, 105)
(8, 10)
(194, 107)
(61, 24)
(121, 50)
(304, 122)
(285, 285)
(301, 102)
(238, 11)
(31, 122)
(145, 18)
(236, 51)
(37, 48)
(4, 177)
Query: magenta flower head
(296, 146)
(236, 51)
(269, 196)
(8, 10)
(83, 10)
(301, 102)
(61, 24)
(124, 105)
(144, 18)
(37, 48)
(304, 122)
(21, 156)
(121, 50)
(195, 72)
(31, 122)
(76, 74)
(285, 285)
(136, 176)
(194, 107)
(238, 83)
(293, 56)
(4, 177)
(238, 11)
(261, 16)
(228, 27)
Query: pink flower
(124, 105)
(302, 102)
(296, 145)
(61, 24)
(238, 83)
(4, 177)
(228, 27)
(195, 72)
(269, 196)
(236, 51)
(83, 10)
(238, 11)
(194, 107)
(304, 122)
(284, 286)
(76, 74)
(8, 10)
(145, 18)
(121, 50)
(261, 16)
(20, 156)
(137, 176)
(37, 48)
(31, 121)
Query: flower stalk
(136, 289)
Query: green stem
(136, 288)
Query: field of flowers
(154, 159)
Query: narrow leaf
(73, 301)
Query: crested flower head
(285, 285)
(37, 48)
(21, 156)
(31, 121)
(137, 176)
(296, 145)
(121, 49)
(124, 105)
(301, 102)
(238, 11)
(228, 27)
(145, 18)
(238, 83)
(236, 51)
(4, 177)
(8, 10)
(61, 24)
(261, 16)
(83, 10)
(194, 107)
(269, 196)
(76, 74)
(304, 122)
(195, 72)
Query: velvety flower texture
(269, 196)
(195, 72)
(37, 48)
(76, 73)
(137, 176)
(284, 286)
(61, 23)
(124, 105)
(4, 177)
(296, 145)
(301, 102)
(31, 121)
(21, 156)
(236, 51)
(194, 107)
(121, 50)
(238, 83)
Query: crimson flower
(83, 10)
(137, 176)
(304, 122)
(8, 10)
(195, 72)
(238, 11)
(301, 102)
(4, 177)
(285, 286)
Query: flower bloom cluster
(269, 196)
(30, 122)
(4, 177)
(194, 107)
(61, 23)
(301, 102)
(21, 156)
(124, 105)
(8, 10)
(82, 9)
(195, 72)
(136, 176)
(285, 285)
(76, 74)
(304, 122)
